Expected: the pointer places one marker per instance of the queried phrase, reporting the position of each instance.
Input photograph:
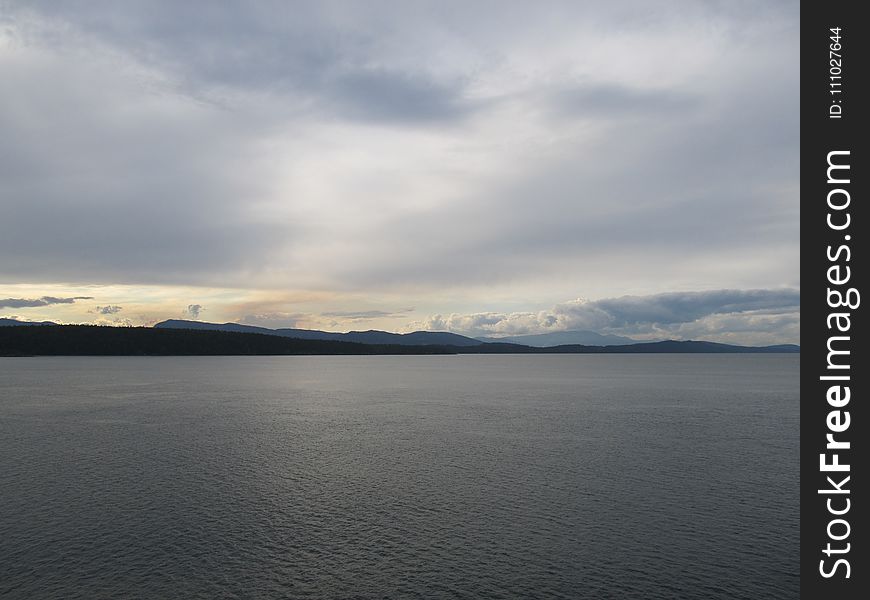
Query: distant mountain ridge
(6, 322)
(417, 338)
(94, 340)
(561, 338)
(607, 343)
(249, 339)
(673, 347)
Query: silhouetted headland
(92, 340)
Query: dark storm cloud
(36, 302)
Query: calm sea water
(672, 476)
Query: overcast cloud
(758, 315)
(393, 154)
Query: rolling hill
(417, 338)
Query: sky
(487, 168)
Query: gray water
(562, 476)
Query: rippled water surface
(563, 476)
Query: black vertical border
(820, 135)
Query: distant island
(192, 338)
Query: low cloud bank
(737, 316)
